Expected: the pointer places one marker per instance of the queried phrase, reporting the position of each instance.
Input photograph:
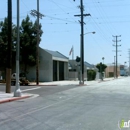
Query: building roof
(111, 64)
(73, 63)
(89, 65)
(56, 54)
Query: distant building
(74, 69)
(123, 70)
(53, 66)
(110, 71)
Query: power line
(60, 8)
(100, 30)
(102, 13)
(60, 19)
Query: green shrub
(91, 75)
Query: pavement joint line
(40, 108)
(43, 85)
(45, 107)
(30, 89)
(8, 99)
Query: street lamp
(17, 92)
(89, 32)
(82, 59)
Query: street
(100, 106)
(41, 90)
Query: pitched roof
(56, 54)
(89, 65)
(73, 62)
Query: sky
(62, 30)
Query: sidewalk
(8, 97)
(71, 82)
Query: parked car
(22, 79)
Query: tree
(102, 68)
(91, 75)
(4, 42)
(28, 41)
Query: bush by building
(91, 75)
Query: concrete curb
(43, 85)
(77, 83)
(105, 80)
(82, 85)
(13, 99)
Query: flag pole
(72, 52)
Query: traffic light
(77, 59)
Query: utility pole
(37, 47)
(101, 71)
(114, 66)
(116, 45)
(39, 15)
(125, 68)
(129, 61)
(82, 39)
(9, 49)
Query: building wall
(123, 70)
(64, 62)
(61, 72)
(97, 75)
(75, 67)
(110, 71)
(73, 75)
(45, 68)
(2, 75)
(66, 71)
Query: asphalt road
(41, 90)
(96, 107)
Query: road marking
(36, 109)
(30, 89)
(34, 96)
